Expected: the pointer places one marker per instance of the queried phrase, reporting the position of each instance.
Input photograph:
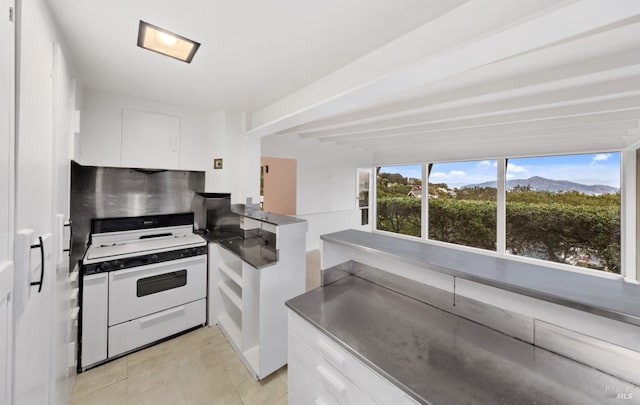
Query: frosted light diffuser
(166, 42)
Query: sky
(593, 168)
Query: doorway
(278, 185)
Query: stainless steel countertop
(251, 250)
(611, 298)
(266, 216)
(440, 358)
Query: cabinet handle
(68, 223)
(331, 379)
(41, 246)
(329, 351)
(161, 315)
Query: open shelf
(230, 329)
(231, 292)
(233, 270)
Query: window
(399, 199)
(565, 209)
(462, 203)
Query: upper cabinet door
(150, 140)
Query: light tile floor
(199, 367)
(196, 368)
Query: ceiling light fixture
(166, 42)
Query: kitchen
(96, 128)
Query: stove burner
(128, 262)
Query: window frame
(628, 215)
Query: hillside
(542, 184)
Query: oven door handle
(125, 273)
(161, 314)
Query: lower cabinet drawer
(147, 329)
(307, 390)
(324, 376)
(368, 380)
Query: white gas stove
(143, 279)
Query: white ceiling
(561, 77)
(253, 52)
(406, 79)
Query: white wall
(326, 182)
(240, 154)
(101, 128)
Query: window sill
(611, 298)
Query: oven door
(144, 290)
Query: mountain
(542, 184)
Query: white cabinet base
(248, 303)
(94, 319)
(323, 373)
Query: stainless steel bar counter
(440, 358)
(611, 298)
(253, 251)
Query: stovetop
(141, 246)
(128, 242)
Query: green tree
(463, 222)
(399, 215)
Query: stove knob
(154, 258)
(104, 266)
(117, 264)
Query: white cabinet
(94, 319)
(150, 140)
(6, 330)
(122, 131)
(322, 372)
(248, 303)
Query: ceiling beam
(500, 138)
(595, 70)
(596, 95)
(426, 55)
(448, 152)
(540, 127)
(493, 133)
(609, 111)
(604, 123)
